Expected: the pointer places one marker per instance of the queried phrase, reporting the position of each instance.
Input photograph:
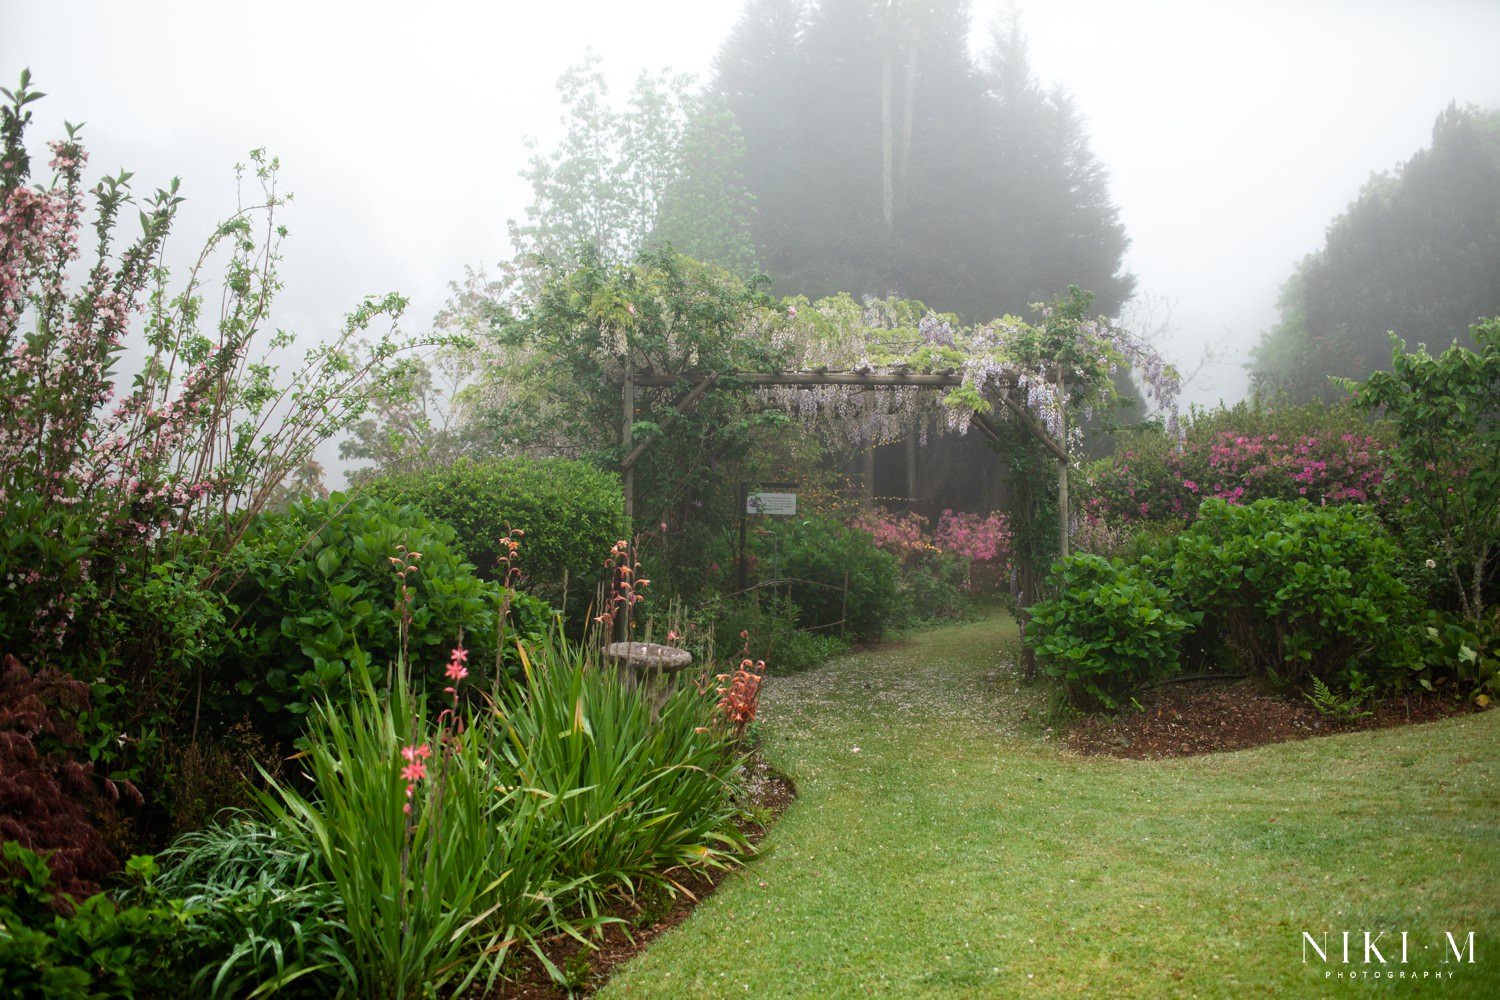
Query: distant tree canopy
(883, 159)
(662, 169)
(1418, 254)
(843, 147)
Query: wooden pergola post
(701, 381)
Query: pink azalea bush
(981, 545)
(1323, 455)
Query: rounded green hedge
(315, 586)
(571, 513)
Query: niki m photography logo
(1389, 954)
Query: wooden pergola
(699, 382)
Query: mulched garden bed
(1211, 716)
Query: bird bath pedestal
(649, 664)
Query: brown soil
(1210, 716)
(769, 793)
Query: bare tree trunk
(867, 490)
(887, 141)
(908, 110)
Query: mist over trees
(1417, 254)
(883, 159)
(842, 146)
(660, 169)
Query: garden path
(946, 843)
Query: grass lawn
(944, 844)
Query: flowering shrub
(984, 539)
(904, 537)
(622, 590)
(1316, 453)
(107, 475)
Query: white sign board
(779, 504)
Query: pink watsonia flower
(456, 670)
(413, 772)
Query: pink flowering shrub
(103, 475)
(124, 484)
(904, 536)
(1326, 455)
(979, 546)
(926, 579)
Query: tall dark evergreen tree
(1417, 254)
(882, 159)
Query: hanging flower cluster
(1064, 364)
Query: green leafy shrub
(55, 948)
(1461, 654)
(833, 574)
(765, 628)
(570, 512)
(1297, 591)
(1445, 459)
(932, 588)
(1111, 628)
(320, 581)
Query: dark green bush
(1111, 628)
(317, 582)
(53, 948)
(766, 629)
(833, 573)
(931, 589)
(571, 514)
(1461, 656)
(1298, 591)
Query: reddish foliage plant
(48, 797)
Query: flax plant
(439, 868)
(626, 797)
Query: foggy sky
(1233, 132)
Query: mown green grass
(959, 851)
